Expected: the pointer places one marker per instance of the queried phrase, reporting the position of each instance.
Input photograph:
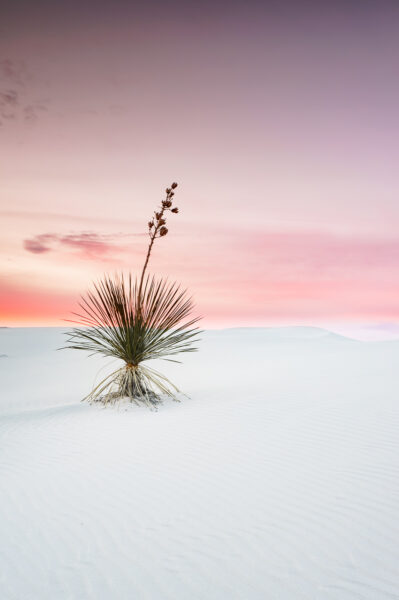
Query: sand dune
(277, 479)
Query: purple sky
(280, 124)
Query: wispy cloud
(87, 244)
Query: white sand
(278, 479)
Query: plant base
(141, 385)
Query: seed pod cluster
(156, 226)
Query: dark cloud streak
(36, 245)
(15, 100)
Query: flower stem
(156, 229)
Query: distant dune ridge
(277, 479)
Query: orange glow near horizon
(268, 278)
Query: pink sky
(280, 126)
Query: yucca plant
(136, 320)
